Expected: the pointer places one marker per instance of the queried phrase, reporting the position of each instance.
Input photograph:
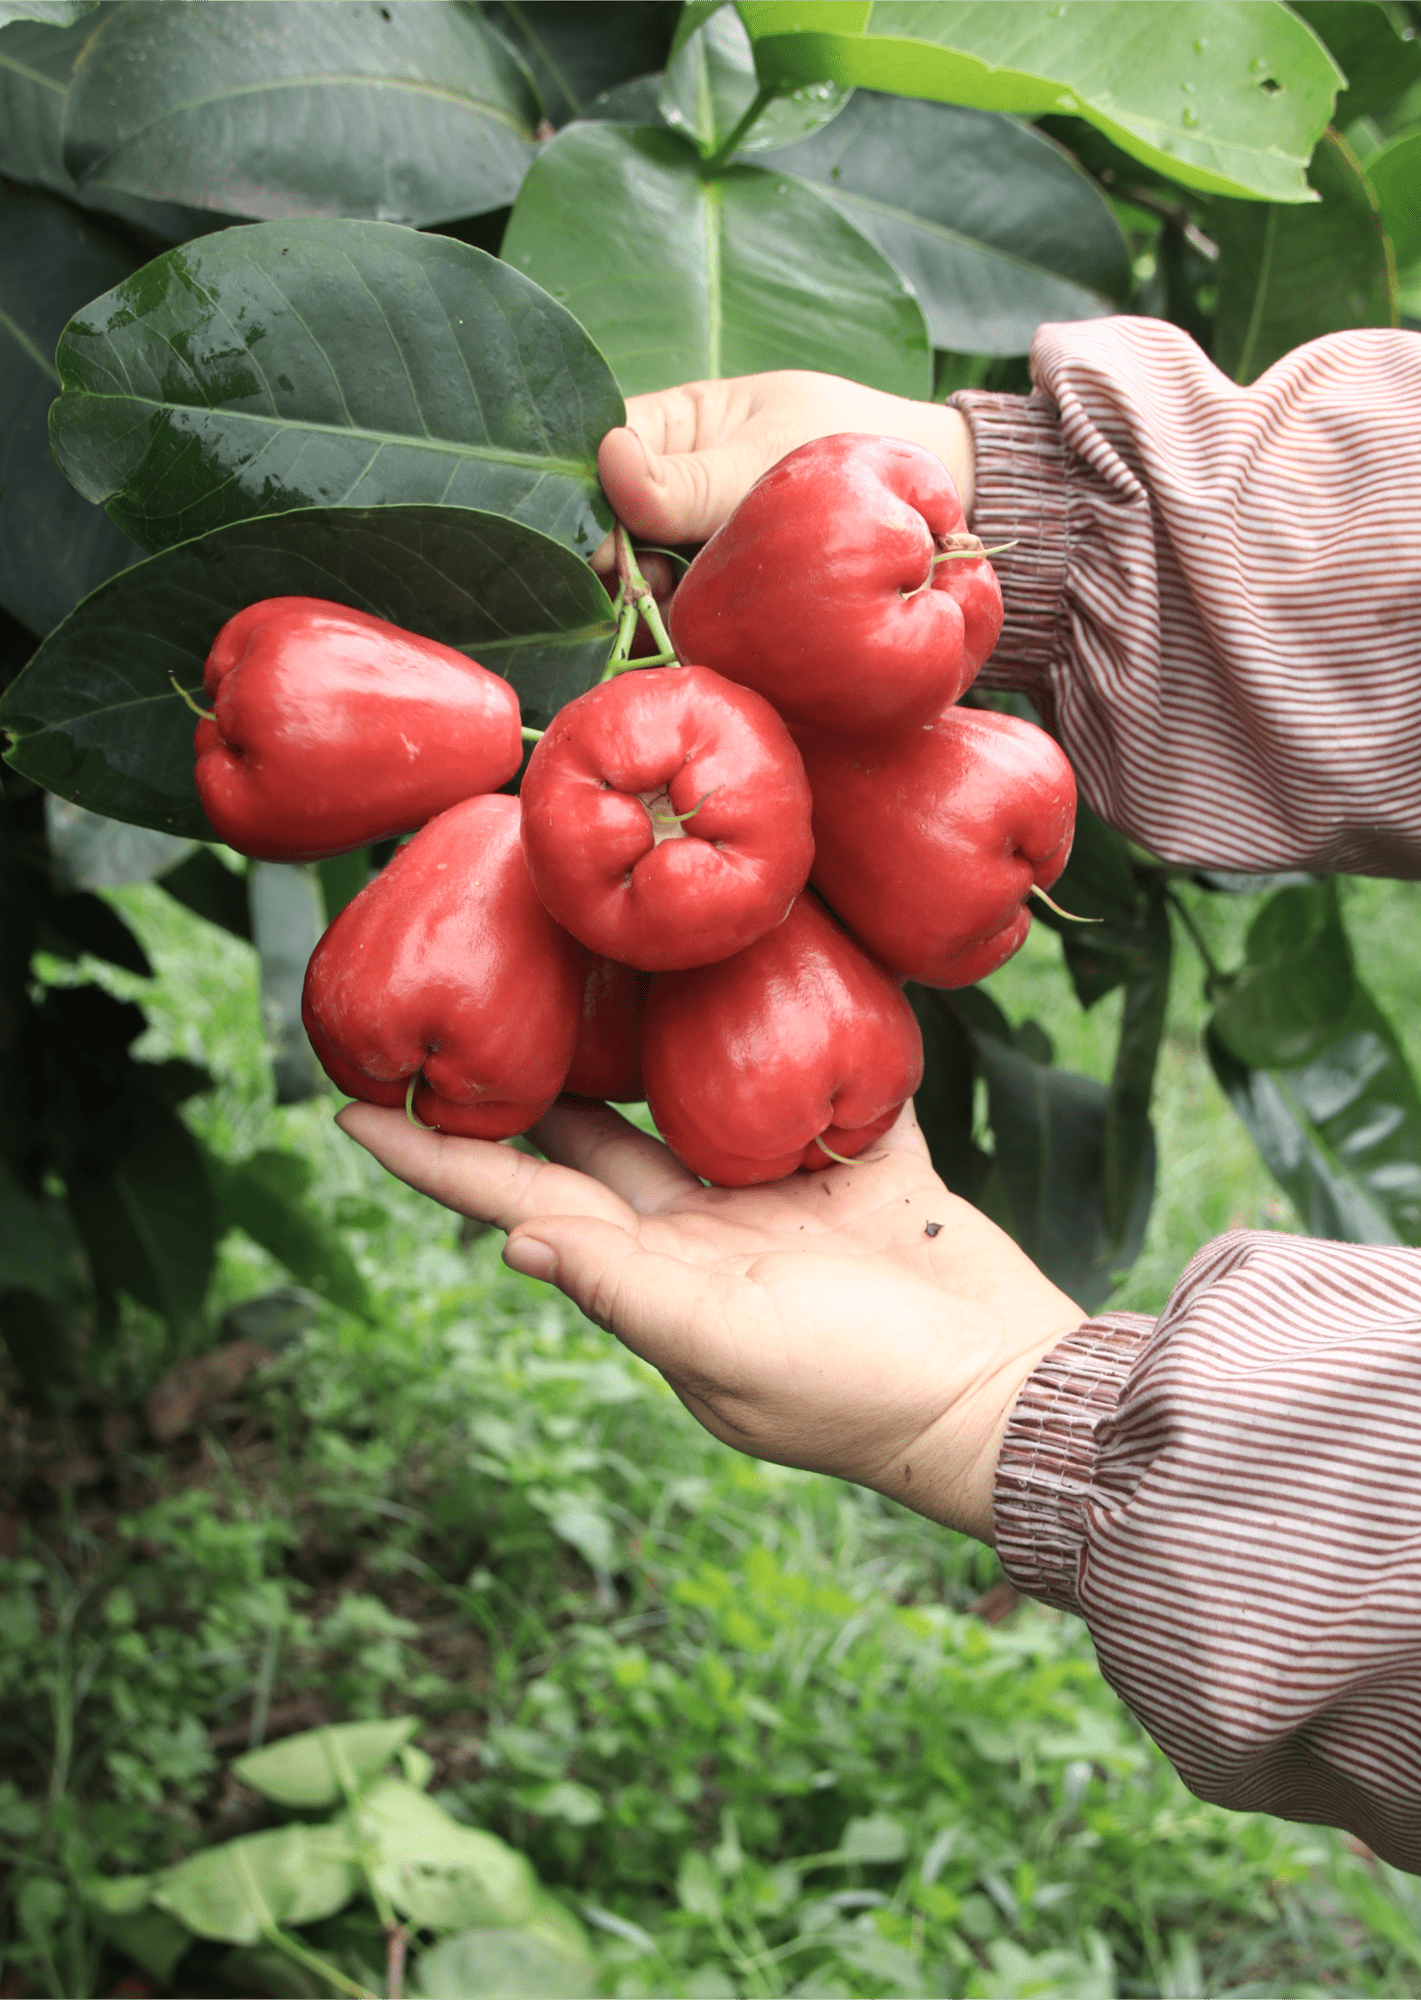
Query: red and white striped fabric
(1216, 601)
(1215, 596)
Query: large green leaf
(265, 1195)
(710, 91)
(32, 1252)
(1380, 64)
(94, 712)
(680, 276)
(435, 1871)
(1289, 274)
(331, 363)
(1129, 1139)
(416, 114)
(149, 1224)
(1394, 171)
(1227, 99)
(240, 1891)
(1342, 1133)
(543, 1960)
(576, 52)
(993, 224)
(54, 546)
(35, 61)
(1296, 985)
(311, 1771)
(1050, 1131)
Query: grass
(768, 1733)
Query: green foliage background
(339, 299)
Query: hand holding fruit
(859, 1321)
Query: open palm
(860, 1320)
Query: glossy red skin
(590, 841)
(335, 729)
(607, 1062)
(448, 965)
(928, 846)
(812, 592)
(748, 1062)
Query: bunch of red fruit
(645, 918)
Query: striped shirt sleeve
(1215, 597)
(1231, 1498)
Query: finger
(673, 1314)
(475, 1176)
(905, 1135)
(677, 496)
(594, 1139)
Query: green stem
(531, 735)
(1069, 915)
(845, 1162)
(409, 1104)
(639, 591)
(207, 714)
(619, 659)
(313, 1962)
(970, 555)
(1214, 979)
(762, 99)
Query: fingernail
(531, 1258)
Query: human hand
(820, 1321)
(686, 457)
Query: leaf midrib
(413, 84)
(498, 454)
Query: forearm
(1231, 1498)
(1215, 594)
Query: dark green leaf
(341, 878)
(1290, 274)
(150, 1939)
(331, 363)
(1342, 1133)
(287, 921)
(150, 1224)
(95, 714)
(679, 277)
(74, 924)
(35, 61)
(416, 115)
(944, 1100)
(175, 1079)
(1380, 66)
(1098, 883)
(54, 548)
(710, 89)
(1129, 1141)
(1230, 100)
(211, 890)
(1394, 171)
(1049, 1129)
(993, 224)
(32, 1251)
(261, 1196)
(576, 52)
(1285, 1005)
(91, 852)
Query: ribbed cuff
(1021, 498)
(1048, 1455)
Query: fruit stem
(618, 659)
(418, 1123)
(1069, 915)
(675, 819)
(531, 735)
(639, 591)
(860, 1162)
(207, 714)
(970, 555)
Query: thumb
(675, 496)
